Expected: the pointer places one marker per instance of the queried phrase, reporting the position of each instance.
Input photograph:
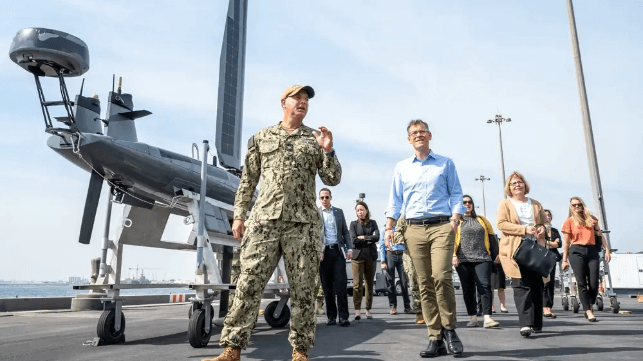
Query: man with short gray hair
(428, 187)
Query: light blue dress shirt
(426, 188)
(330, 228)
(383, 249)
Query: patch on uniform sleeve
(251, 142)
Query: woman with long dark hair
(364, 235)
(472, 260)
(581, 232)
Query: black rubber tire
(615, 305)
(279, 322)
(211, 312)
(196, 330)
(565, 303)
(398, 288)
(105, 329)
(575, 305)
(349, 292)
(599, 303)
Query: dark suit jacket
(343, 237)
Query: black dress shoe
(452, 341)
(435, 348)
(331, 322)
(343, 322)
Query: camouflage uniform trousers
(262, 246)
(320, 290)
(234, 274)
(413, 282)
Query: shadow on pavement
(559, 351)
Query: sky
(374, 65)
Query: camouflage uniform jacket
(400, 228)
(286, 164)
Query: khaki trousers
(431, 250)
(263, 244)
(363, 275)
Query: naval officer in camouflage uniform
(409, 269)
(284, 221)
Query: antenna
(113, 81)
(120, 84)
(81, 87)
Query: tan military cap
(294, 89)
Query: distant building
(75, 279)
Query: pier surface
(159, 332)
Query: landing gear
(599, 303)
(277, 318)
(616, 306)
(197, 333)
(565, 303)
(107, 330)
(575, 305)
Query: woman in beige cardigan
(520, 217)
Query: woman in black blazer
(364, 236)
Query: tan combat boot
(229, 354)
(319, 310)
(298, 355)
(419, 318)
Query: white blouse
(525, 212)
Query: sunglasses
(577, 205)
(324, 197)
(467, 202)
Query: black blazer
(343, 237)
(371, 236)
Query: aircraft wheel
(196, 330)
(211, 312)
(575, 305)
(615, 304)
(599, 303)
(565, 303)
(279, 322)
(105, 329)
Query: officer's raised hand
(324, 138)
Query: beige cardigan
(512, 231)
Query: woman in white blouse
(519, 217)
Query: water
(24, 290)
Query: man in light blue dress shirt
(428, 187)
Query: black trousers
(476, 275)
(396, 262)
(528, 296)
(333, 277)
(548, 291)
(585, 262)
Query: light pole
(499, 119)
(484, 206)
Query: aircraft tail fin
(231, 80)
(91, 205)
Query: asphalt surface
(159, 332)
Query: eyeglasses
(467, 202)
(324, 197)
(574, 205)
(513, 184)
(418, 132)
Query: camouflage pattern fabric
(286, 164)
(320, 290)
(398, 238)
(263, 244)
(234, 274)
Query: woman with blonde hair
(520, 217)
(581, 232)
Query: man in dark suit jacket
(335, 243)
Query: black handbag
(493, 247)
(535, 257)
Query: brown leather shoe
(393, 311)
(419, 319)
(229, 354)
(298, 355)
